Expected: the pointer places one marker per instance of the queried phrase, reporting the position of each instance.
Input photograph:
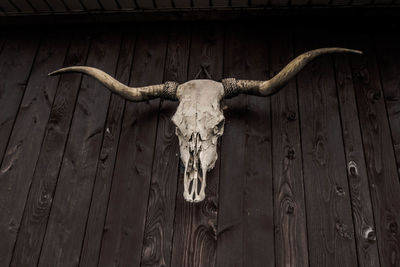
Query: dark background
(307, 177)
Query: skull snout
(194, 178)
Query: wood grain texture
(329, 218)
(123, 232)
(182, 3)
(388, 59)
(40, 6)
(158, 233)
(127, 4)
(65, 231)
(26, 138)
(8, 7)
(360, 195)
(91, 5)
(245, 221)
(37, 208)
(57, 6)
(23, 6)
(73, 5)
(378, 149)
(145, 4)
(164, 3)
(105, 168)
(194, 240)
(16, 61)
(291, 248)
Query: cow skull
(199, 119)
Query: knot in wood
(393, 228)
(292, 116)
(290, 209)
(291, 154)
(340, 191)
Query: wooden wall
(307, 177)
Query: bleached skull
(199, 123)
(199, 119)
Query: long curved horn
(234, 87)
(136, 94)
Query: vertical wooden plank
(109, 5)
(37, 209)
(388, 59)
(194, 241)
(279, 2)
(91, 5)
(16, 62)
(40, 5)
(105, 168)
(356, 170)
(182, 3)
(23, 6)
(157, 243)
(245, 221)
(125, 222)
(329, 218)
(66, 226)
(127, 4)
(57, 6)
(300, 2)
(291, 247)
(378, 149)
(145, 4)
(239, 3)
(73, 5)
(24, 146)
(220, 3)
(8, 7)
(261, 3)
(164, 3)
(201, 3)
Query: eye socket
(217, 128)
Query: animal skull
(199, 122)
(199, 119)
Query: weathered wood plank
(157, 241)
(109, 5)
(329, 219)
(388, 59)
(201, 3)
(182, 3)
(164, 3)
(194, 242)
(220, 3)
(23, 6)
(245, 221)
(57, 5)
(123, 236)
(16, 62)
(145, 4)
(378, 149)
(105, 168)
(91, 5)
(26, 138)
(360, 195)
(37, 209)
(260, 3)
(127, 4)
(291, 248)
(65, 231)
(40, 5)
(73, 5)
(8, 7)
